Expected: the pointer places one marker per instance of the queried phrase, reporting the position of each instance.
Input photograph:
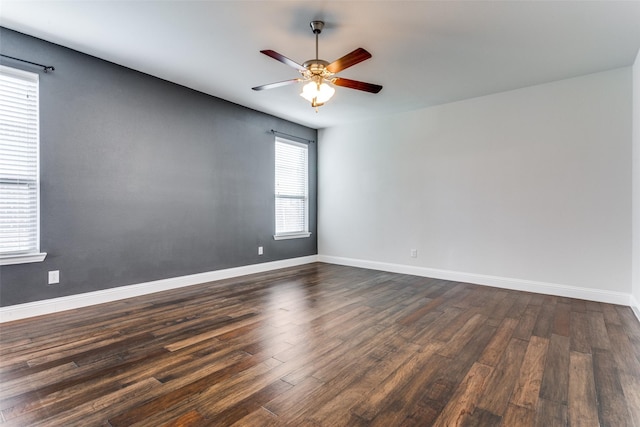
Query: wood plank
(593, 306)
(580, 332)
(611, 315)
(545, 321)
(167, 399)
(250, 404)
(87, 383)
(29, 382)
(190, 419)
(393, 411)
(582, 403)
(504, 377)
(426, 335)
(518, 416)
(258, 418)
(343, 388)
(598, 335)
(519, 305)
(465, 398)
(578, 306)
(449, 331)
(95, 411)
(623, 350)
(493, 351)
(629, 321)
(499, 312)
(438, 391)
(288, 401)
(481, 417)
(464, 334)
(562, 319)
(527, 389)
(421, 311)
(612, 405)
(550, 413)
(527, 322)
(631, 387)
(338, 410)
(555, 379)
(373, 399)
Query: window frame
(297, 234)
(33, 254)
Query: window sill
(22, 259)
(291, 236)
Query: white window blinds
(291, 192)
(19, 174)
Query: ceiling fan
(320, 74)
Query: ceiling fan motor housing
(316, 66)
(316, 26)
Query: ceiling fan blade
(348, 60)
(355, 84)
(278, 84)
(278, 57)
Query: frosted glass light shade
(321, 93)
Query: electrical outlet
(54, 277)
(414, 253)
(260, 250)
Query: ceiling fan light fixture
(318, 73)
(317, 93)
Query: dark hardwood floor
(325, 345)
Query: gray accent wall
(143, 179)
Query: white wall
(532, 184)
(636, 186)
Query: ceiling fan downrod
(316, 27)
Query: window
(19, 168)
(292, 190)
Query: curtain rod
(275, 132)
(46, 68)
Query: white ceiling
(425, 53)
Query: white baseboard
(598, 295)
(635, 306)
(38, 308)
